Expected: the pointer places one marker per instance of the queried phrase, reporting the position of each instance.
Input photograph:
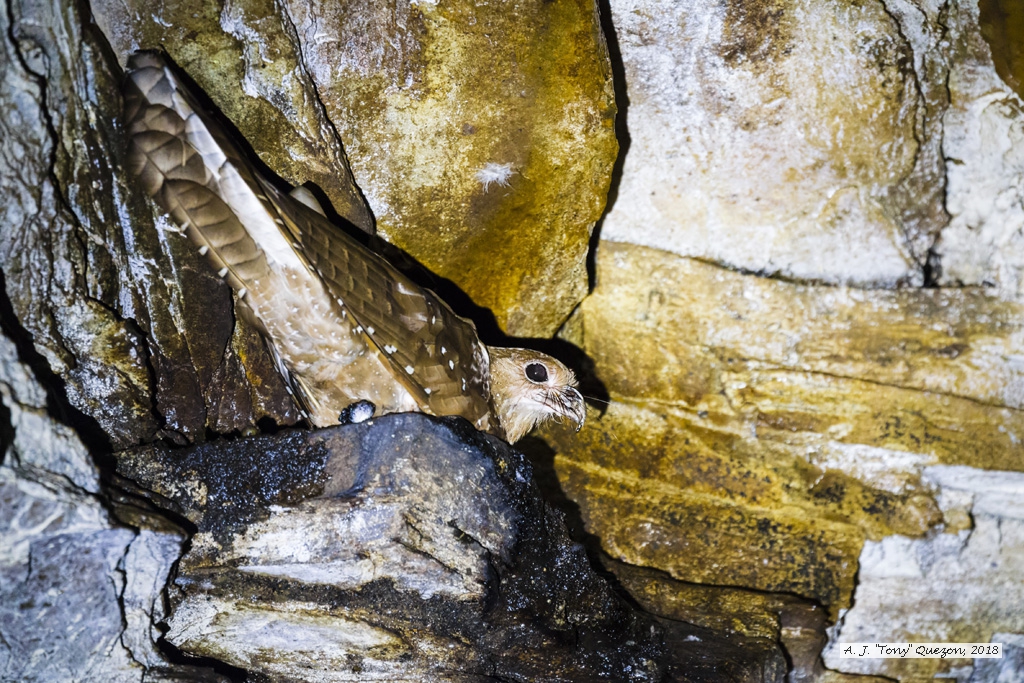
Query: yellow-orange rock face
(761, 430)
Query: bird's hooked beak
(573, 407)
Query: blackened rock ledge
(405, 548)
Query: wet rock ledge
(411, 548)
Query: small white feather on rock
(498, 174)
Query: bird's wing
(435, 351)
(247, 228)
(196, 173)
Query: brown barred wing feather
(435, 352)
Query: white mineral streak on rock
(146, 566)
(999, 494)
(332, 543)
(781, 163)
(945, 587)
(882, 468)
(984, 150)
(31, 510)
(317, 648)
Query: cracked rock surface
(806, 312)
(859, 450)
(80, 592)
(411, 548)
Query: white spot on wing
(409, 369)
(203, 249)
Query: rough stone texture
(983, 141)
(425, 123)
(770, 435)
(1009, 669)
(125, 313)
(785, 136)
(947, 587)
(79, 593)
(760, 432)
(66, 577)
(675, 330)
(410, 548)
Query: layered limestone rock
(832, 434)
(481, 135)
(767, 435)
(408, 548)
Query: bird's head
(529, 387)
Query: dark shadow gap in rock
(542, 458)
(58, 406)
(621, 132)
(223, 670)
(6, 431)
(932, 269)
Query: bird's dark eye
(537, 372)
